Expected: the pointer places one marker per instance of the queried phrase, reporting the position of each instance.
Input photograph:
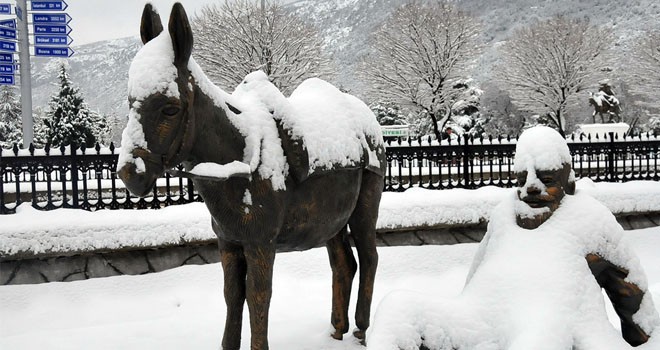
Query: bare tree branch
(417, 55)
(546, 65)
(235, 38)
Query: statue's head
(543, 167)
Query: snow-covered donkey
(536, 279)
(276, 173)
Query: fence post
(191, 191)
(610, 159)
(466, 162)
(74, 177)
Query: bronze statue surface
(178, 116)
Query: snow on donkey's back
(534, 288)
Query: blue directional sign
(49, 5)
(6, 80)
(5, 9)
(19, 12)
(54, 29)
(10, 23)
(60, 40)
(51, 18)
(53, 51)
(6, 58)
(7, 33)
(7, 46)
(6, 69)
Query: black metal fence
(86, 178)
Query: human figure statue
(536, 280)
(605, 104)
(541, 187)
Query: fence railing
(85, 178)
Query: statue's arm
(478, 256)
(626, 297)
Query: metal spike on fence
(31, 148)
(15, 149)
(98, 148)
(47, 149)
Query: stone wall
(44, 268)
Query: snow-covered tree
(69, 120)
(388, 113)
(40, 137)
(10, 117)
(645, 72)
(418, 54)
(466, 116)
(545, 66)
(235, 38)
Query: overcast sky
(95, 20)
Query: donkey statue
(271, 174)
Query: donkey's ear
(151, 25)
(181, 34)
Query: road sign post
(26, 76)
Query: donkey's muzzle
(139, 183)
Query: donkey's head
(161, 126)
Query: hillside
(100, 69)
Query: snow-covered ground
(184, 308)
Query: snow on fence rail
(72, 177)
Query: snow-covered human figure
(536, 279)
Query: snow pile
(32, 231)
(527, 289)
(110, 229)
(419, 207)
(541, 148)
(335, 128)
(221, 171)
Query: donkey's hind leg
(343, 267)
(235, 269)
(363, 229)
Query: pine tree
(388, 113)
(10, 117)
(69, 119)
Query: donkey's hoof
(338, 335)
(360, 334)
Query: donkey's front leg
(260, 261)
(235, 269)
